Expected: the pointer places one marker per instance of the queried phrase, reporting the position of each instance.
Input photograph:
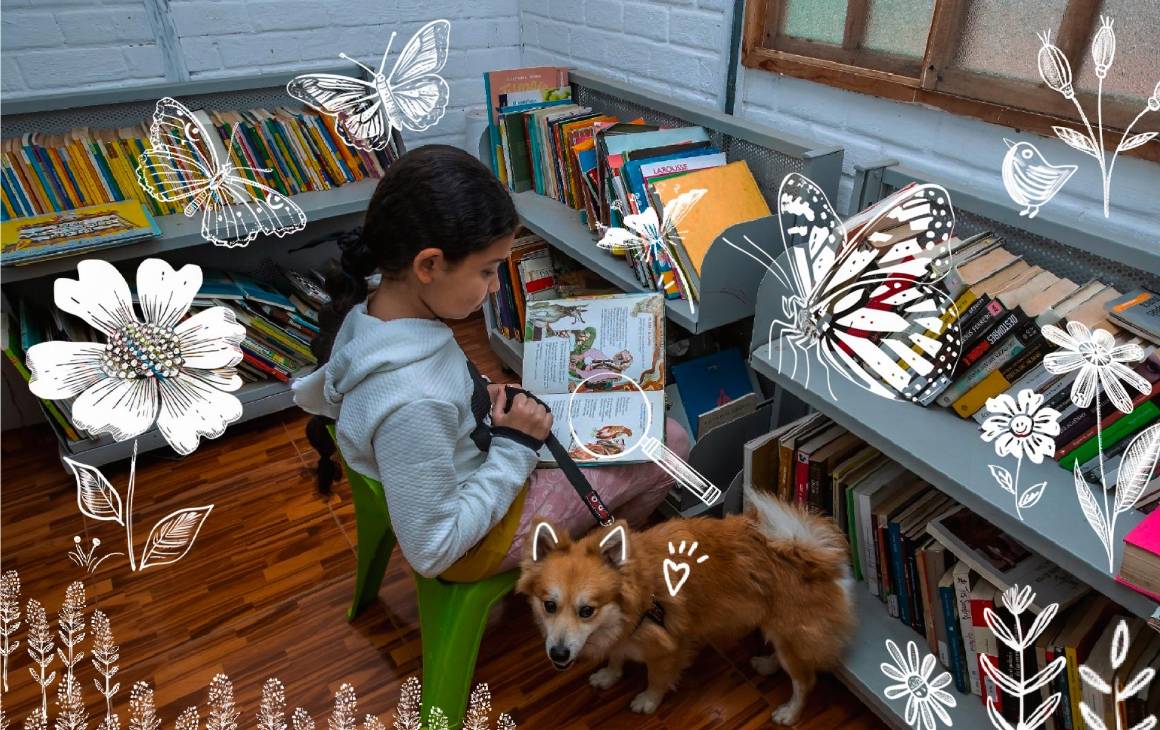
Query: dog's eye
(586, 611)
(550, 606)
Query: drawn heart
(671, 569)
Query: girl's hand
(526, 415)
(493, 391)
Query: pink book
(1144, 538)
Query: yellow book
(731, 196)
(296, 175)
(72, 195)
(326, 156)
(79, 163)
(72, 171)
(297, 152)
(307, 154)
(91, 227)
(81, 142)
(352, 160)
(949, 317)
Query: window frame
(1023, 105)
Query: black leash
(481, 409)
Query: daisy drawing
(158, 368)
(152, 369)
(1020, 427)
(1102, 369)
(925, 697)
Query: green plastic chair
(452, 616)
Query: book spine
(56, 185)
(852, 534)
(924, 594)
(1000, 380)
(46, 188)
(918, 617)
(1075, 687)
(1003, 348)
(955, 644)
(1081, 426)
(76, 174)
(901, 608)
(817, 477)
(866, 544)
(970, 648)
(885, 580)
(975, 333)
(49, 407)
(264, 367)
(802, 478)
(68, 183)
(985, 645)
(1123, 427)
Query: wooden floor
(265, 589)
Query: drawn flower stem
(129, 507)
(1018, 465)
(1116, 152)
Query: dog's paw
(645, 703)
(765, 665)
(604, 678)
(787, 714)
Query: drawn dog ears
(545, 540)
(614, 545)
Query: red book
(1140, 569)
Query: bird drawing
(1030, 180)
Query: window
(973, 57)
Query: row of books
(608, 168)
(536, 272)
(936, 566)
(280, 321)
(46, 173)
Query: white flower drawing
(1097, 358)
(1023, 427)
(925, 697)
(157, 368)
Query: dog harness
(481, 436)
(655, 613)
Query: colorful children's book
(710, 381)
(517, 86)
(70, 232)
(603, 357)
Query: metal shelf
(946, 451)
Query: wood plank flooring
(265, 589)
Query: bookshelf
(946, 450)
(119, 107)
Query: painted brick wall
(680, 48)
(63, 45)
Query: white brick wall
(65, 45)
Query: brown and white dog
(610, 595)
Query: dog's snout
(560, 654)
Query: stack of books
(1140, 568)
(74, 232)
(608, 168)
(936, 566)
(47, 173)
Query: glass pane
(815, 20)
(898, 26)
(999, 36)
(1132, 74)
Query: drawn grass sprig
(1117, 691)
(105, 656)
(1017, 602)
(9, 618)
(408, 712)
(272, 710)
(72, 715)
(40, 650)
(71, 623)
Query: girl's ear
(614, 545)
(424, 264)
(545, 539)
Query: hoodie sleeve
(436, 518)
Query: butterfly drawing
(413, 96)
(183, 164)
(866, 302)
(652, 235)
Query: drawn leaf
(1120, 644)
(996, 719)
(1136, 140)
(999, 629)
(1091, 510)
(1136, 467)
(1009, 685)
(1041, 713)
(1076, 141)
(1041, 621)
(1094, 721)
(1045, 675)
(1139, 682)
(95, 496)
(172, 537)
(1032, 495)
(1095, 680)
(1147, 723)
(1003, 477)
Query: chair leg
(452, 618)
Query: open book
(593, 346)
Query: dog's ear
(614, 545)
(545, 539)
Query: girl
(437, 228)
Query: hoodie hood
(366, 346)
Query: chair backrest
(361, 484)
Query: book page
(598, 339)
(606, 424)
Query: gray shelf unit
(946, 450)
(729, 280)
(129, 106)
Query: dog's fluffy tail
(810, 542)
